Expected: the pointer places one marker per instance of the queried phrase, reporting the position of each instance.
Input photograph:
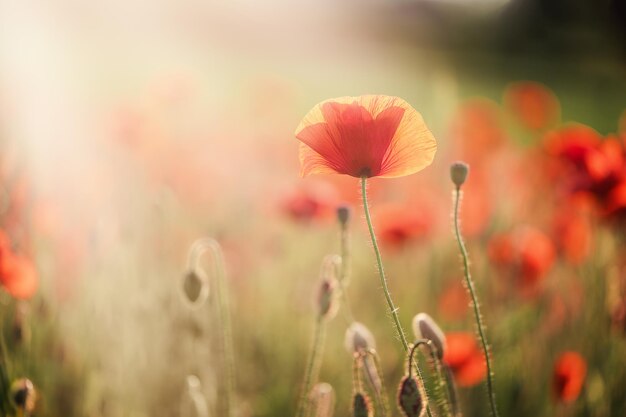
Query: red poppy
(371, 136)
(477, 130)
(18, 276)
(464, 358)
(312, 201)
(398, 225)
(570, 370)
(527, 254)
(453, 301)
(573, 234)
(532, 104)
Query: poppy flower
(477, 130)
(527, 254)
(314, 201)
(570, 370)
(532, 104)
(573, 234)
(18, 276)
(464, 358)
(399, 225)
(365, 136)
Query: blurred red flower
(398, 225)
(464, 358)
(570, 370)
(572, 233)
(526, 254)
(312, 201)
(372, 136)
(532, 104)
(18, 276)
(477, 130)
(453, 301)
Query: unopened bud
(24, 395)
(362, 405)
(327, 298)
(323, 399)
(424, 327)
(458, 172)
(359, 338)
(195, 286)
(343, 214)
(410, 399)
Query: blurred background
(129, 129)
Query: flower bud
(424, 327)
(359, 338)
(362, 405)
(410, 399)
(458, 172)
(195, 286)
(343, 214)
(323, 399)
(23, 394)
(327, 298)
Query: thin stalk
(472, 291)
(313, 367)
(383, 281)
(442, 392)
(344, 272)
(223, 313)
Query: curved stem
(200, 247)
(472, 291)
(383, 280)
(313, 366)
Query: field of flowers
(273, 226)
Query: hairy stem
(312, 368)
(383, 280)
(472, 291)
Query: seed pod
(362, 405)
(195, 286)
(410, 397)
(23, 394)
(424, 327)
(343, 214)
(458, 173)
(359, 338)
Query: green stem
(313, 366)
(472, 291)
(383, 280)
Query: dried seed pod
(410, 398)
(359, 338)
(195, 286)
(23, 394)
(458, 173)
(424, 327)
(362, 405)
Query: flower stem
(383, 280)
(223, 316)
(313, 366)
(472, 291)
